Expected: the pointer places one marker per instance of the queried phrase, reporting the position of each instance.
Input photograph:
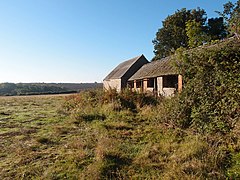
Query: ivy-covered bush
(210, 101)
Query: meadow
(97, 135)
(29, 135)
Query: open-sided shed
(159, 77)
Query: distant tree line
(12, 89)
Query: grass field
(39, 140)
(32, 135)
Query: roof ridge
(122, 68)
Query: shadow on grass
(4, 114)
(113, 164)
(44, 140)
(90, 118)
(112, 127)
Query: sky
(78, 41)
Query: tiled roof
(155, 69)
(122, 68)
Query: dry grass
(41, 141)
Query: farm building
(118, 78)
(159, 77)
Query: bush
(210, 100)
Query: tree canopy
(231, 15)
(173, 33)
(191, 28)
(195, 33)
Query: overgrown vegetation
(192, 136)
(210, 101)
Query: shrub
(210, 100)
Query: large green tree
(190, 28)
(173, 33)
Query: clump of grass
(98, 105)
(108, 162)
(234, 171)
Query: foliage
(11, 89)
(216, 29)
(161, 135)
(231, 15)
(210, 101)
(93, 100)
(198, 34)
(195, 33)
(188, 28)
(173, 33)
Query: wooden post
(160, 85)
(135, 85)
(180, 83)
(155, 86)
(145, 85)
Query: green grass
(30, 135)
(41, 140)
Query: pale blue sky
(80, 40)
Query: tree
(196, 34)
(216, 29)
(231, 15)
(173, 33)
